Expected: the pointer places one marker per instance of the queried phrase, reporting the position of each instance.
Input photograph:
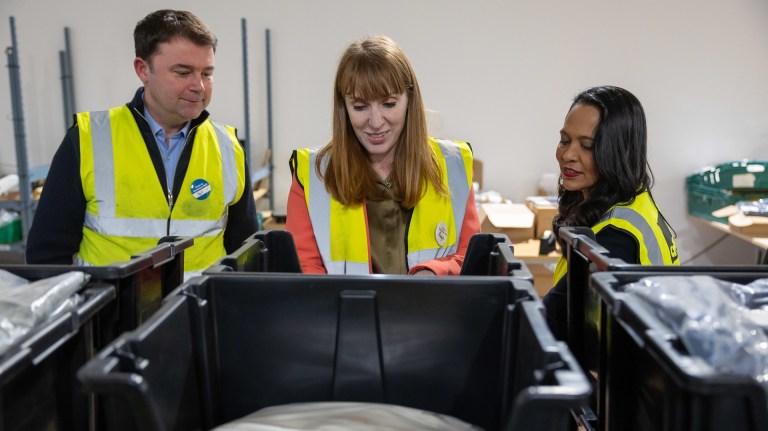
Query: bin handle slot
(130, 362)
(358, 371)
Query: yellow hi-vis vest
(642, 220)
(342, 233)
(127, 211)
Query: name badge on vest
(441, 233)
(201, 189)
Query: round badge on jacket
(201, 189)
(441, 233)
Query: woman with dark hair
(605, 183)
(382, 196)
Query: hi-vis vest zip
(127, 211)
(342, 232)
(643, 221)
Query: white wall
(497, 73)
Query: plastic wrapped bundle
(754, 208)
(8, 280)
(710, 323)
(753, 298)
(345, 416)
(23, 307)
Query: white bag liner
(344, 416)
(713, 320)
(24, 307)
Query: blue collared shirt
(171, 152)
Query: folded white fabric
(345, 416)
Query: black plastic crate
(493, 254)
(38, 388)
(650, 381)
(141, 283)
(587, 319)
(275, 251)
(264, 251)
(476, 348)
(585, 257)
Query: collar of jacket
(137, 105)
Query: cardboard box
(541, 267)
(544, 209)
(542, 278)
(16, 196)
(477, 172)
(514, 220)
(738, 222)
(749, 225)
(271, 221)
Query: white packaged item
(345, 416)
(9, 183)
(711, 324)
(27, 306)
(8, 279)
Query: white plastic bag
(27, 306)
(8, 279)
(710, 323)
(345, 416)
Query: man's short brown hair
(163, 25)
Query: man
(154, 167)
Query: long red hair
(370, 69)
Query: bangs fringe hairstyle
(374, 68)
(620, 148)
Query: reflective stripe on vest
(343, 239)
(110, 233)
(320, 214)
(104, 182)
(650, 251)
(458, 186)
(642, 221)
(153, 228)
(229, 164)
(103, 164)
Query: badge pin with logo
(441, 233)
(201, 189)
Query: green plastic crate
(718, 186)
(10, 232)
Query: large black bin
(587, 321)
(38, 388)
(141, 283)
(649, 380)
(275, 251)
(476, 348)
(586, 257)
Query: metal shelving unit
(262, 176)
(25, 207)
